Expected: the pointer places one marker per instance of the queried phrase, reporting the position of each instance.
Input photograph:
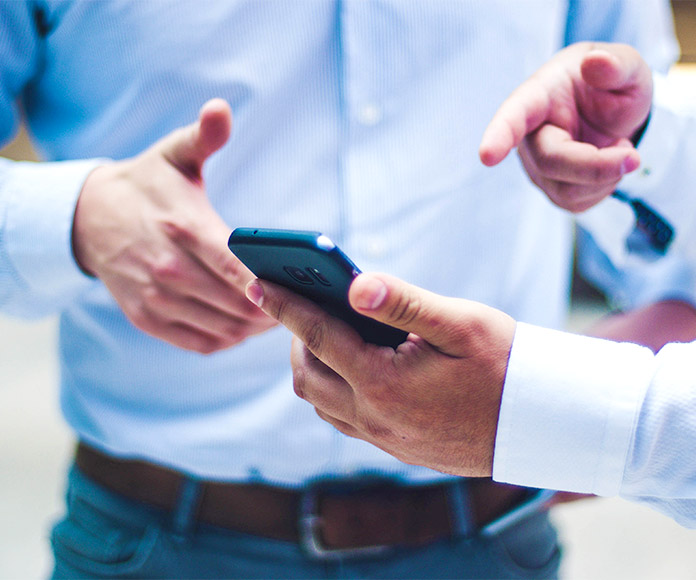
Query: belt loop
(460, 506)
(184, 514)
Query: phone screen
(310, 264)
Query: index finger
(221, 276)
(522, 112)
(328, 338)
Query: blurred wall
(685, 23)
(20, 148)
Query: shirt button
(376, 249)
(370, 115)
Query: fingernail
(254, 292)
(629, 164)
(372, 294)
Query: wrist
(638, 133)
(82, 218)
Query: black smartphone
(537, 500)
(310, 264)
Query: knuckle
(573, 198)
(233, 269)
(209, 346)
(153, 298)
(405, 309)
(199, 342)
(239, 330)
(140, 316)
(299, 382)
(228, 340)
(600, 173)
(247, 314)
(311, 331)
(532, 152)
(180, 230)
(313, 336)
(167, 267)
(603, 172)
(546, 164)
(376, 430)
(276, 309)
(584, 205)
(564, 195)
(475, 328)
(380, 394)
(577, 207)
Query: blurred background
(604, 538)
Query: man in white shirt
(472, 392)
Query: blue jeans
(104, 535)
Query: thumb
(188, 147)
(622, 89)
(448, 324)
(616, 67)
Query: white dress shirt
(594, 416)
(586, 415)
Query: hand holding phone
(310, 264)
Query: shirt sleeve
(636, 281)
(594, 416)
(38, 272)
(568, 410)
(661, 467)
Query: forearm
(653, 326)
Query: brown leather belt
(347, 516)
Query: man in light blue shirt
(357, 119)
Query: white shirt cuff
(41, 200)
(569, 410)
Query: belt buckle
(310, 524)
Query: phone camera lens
(299, 275)
(319, 276)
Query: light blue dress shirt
(358, 119)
